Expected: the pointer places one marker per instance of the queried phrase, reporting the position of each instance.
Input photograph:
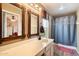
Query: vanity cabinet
(52, 50)
(49, 50)
(32, 47)
(48, 53)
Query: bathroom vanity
(31, 47)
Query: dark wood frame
(29, 24)
(44, 14)
(23, 24)
(0, 23)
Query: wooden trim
(29, 24)
(23, 22)
(0, 23)
(10, 42)
(44, 14)
(12, 38)
(28, 35)
(17, 5)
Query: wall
(50, 23)
(47, 27)
(78, 29)
(11, 8)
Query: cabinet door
(49, 50)
(52, 49)
(52, 52)
(48, 53)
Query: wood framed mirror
(12, 21)
(33, 24)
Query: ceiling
(57, 9)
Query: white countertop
(29, 47)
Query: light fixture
(13, 19)
(36, 6)
(40, 8)
(61, 8)
(31, 4)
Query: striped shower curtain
(65, 30)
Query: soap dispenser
(39, 38)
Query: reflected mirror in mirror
(10, 23)
(33, 28)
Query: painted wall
(11, 8)
(78, 29)
(50, 23)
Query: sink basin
(44, 40)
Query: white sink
(44, 40)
